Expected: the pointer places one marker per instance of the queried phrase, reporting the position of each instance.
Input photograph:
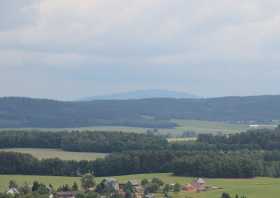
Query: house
(189, 188)
(111, 184)
(134, 182)
(138, 190)
(197, 185)
(67, 194)
(12, 191)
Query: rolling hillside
(142, 94)
(151, 113)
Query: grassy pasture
(252, 188)
(93, 128)
(183, 125)
(57, 153)
(181, 139)
(197, 126)
(210, 126)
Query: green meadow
(200, 126)
(252, 188)
(57, 153)
(197, 126)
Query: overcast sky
(67, 49)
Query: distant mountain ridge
(142, 94)
(17, 112)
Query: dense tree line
(241, 164)
(203, 146)
(96, 141)
(237, 164)
(111, 141)
(30, 139)
(19, 163)
(27, 112)
(268, 139)
(249, 154)
(219, 166)
(81, 141)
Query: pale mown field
(252, 188)
(210, 126)
(57, 153)
(183, 125)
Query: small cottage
(197, 185)
(138, 190)
(12, 191)
(111, 184)
(189, 188)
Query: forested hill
(27, 112)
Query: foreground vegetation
(252, 188)
(42, 153)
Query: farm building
(13, 191)
(189, 188)
(197, 185)
(111, 184)
(138, 190)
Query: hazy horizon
(107, 96)
(72, 49)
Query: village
(111, 187)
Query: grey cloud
(14, 13)
(125, 44)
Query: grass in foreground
(252, 188)
(57, 153)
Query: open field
(252, 188)
(181, 139)
(183, 125)
(93, 128)
(57, 153)
(197, 126)
(209, 127)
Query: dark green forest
(245, 155)
(98, 141)
(26, 112)
(258, 139)
(86, 141)
(241, 164)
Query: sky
(68, 49)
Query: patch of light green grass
(209, 126)
(57, 153)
